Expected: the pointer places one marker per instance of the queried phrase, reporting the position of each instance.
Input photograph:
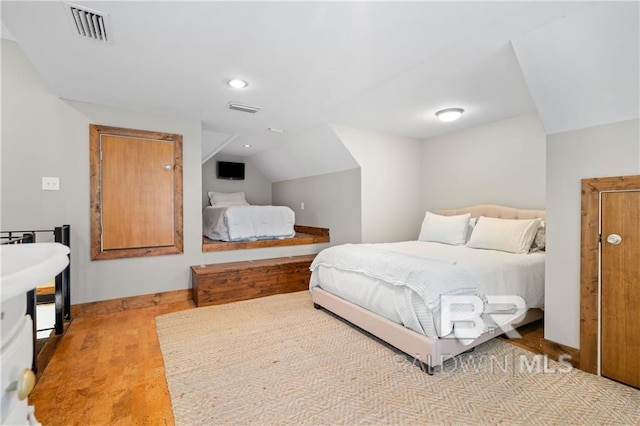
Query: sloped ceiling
(315, 152)
(380, 66)
(584, 70)
(5, 33)
(213, 142)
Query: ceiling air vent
(89, 23)
(243, 108)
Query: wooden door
(137, 193)
(620, 312)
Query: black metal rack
(62, 293)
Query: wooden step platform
(220, 283)
(304, 235)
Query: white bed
(248, 223)
(394, 290)
(231, 218)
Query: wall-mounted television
(230, 170)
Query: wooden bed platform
(220, 283)
(304, 235)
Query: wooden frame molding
(97, 253)
(589, 274)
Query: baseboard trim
(128, 303)
(553, 350)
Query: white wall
(608, 150)
(43, 135)
(256, 187)
(330, 201)
(390, 187)
(499, 163)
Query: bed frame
(431, 353)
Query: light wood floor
(108, 369)
(531, 334)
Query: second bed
(395, 290)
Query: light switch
(50, 183)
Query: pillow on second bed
(539, 242)
(510, 235)
(227, 199)
(444, 229)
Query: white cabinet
(17, 355)
(24, 266)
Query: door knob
(24, 385)
(168, 167)
(614, 239)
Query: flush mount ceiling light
(246, 145)
(449, 114)
(237, 83)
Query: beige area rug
(277, 360)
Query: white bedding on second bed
(403, 281)
(247, 223)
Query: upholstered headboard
(493, 210)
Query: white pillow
(227, 199)
(540, 240)
(444, 229)
(514, 236)
(472, 224)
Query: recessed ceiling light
(237, 83)
(449, 114)
(246, 145)
(274, 130)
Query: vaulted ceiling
(380, 66)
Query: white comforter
(404, 281)
(247, 223)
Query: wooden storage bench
(220, 283)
